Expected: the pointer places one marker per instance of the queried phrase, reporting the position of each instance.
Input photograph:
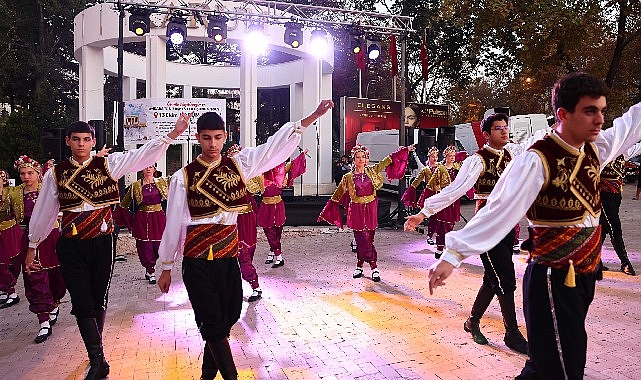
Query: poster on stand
(146, 119)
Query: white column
(188, 91)
(248, 97)
(157, 76)
(91, 73)
(311, 98)
(128, 88)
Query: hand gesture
(323, 107)
(305, 151)
(104, 152)
(413, 221)
(181, 125)
(411, 148)
(438, 272)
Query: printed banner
(146, 119)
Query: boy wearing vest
(555, 183)
(205, 198)
(84, 188)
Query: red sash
(211, 241)
(556, 246)
(87, 224)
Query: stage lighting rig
(217, 28)
(318, 42)
(293, 34)
(177, 29)
(373, 47)
(139, 22)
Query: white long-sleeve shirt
(252, 162)
(469, 173)
(521, 183)
(45, 212)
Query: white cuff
(453, 257)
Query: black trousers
(86, 266)
(215, 290)
(499, 268)
(555, 321)
(610, 221)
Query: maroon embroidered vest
(91, 183)
(570, 191)
(612, 176)
(213, 189)
(493, 166)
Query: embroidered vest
(570, 192)
(612, 176)
(91, 183)
(136, 189)
(493, 166)
(214, 189)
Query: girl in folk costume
(357, 192)
(149, 220)
(45, 287)
(443, 222)
(247, 232)
(10, 236)
(271, 213)
(425, 174)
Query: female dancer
(149, 220)
(271, 213)
(357, 192)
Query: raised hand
(181, 125)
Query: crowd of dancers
(553, 179)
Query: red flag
(360, 58)
(423, 57)
(393, 53)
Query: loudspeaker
(505, 110)
(446, 137)
(53, 144)
(426, 140)
(101, 133)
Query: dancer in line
(482, 170)
(271, 211)
(424, 175)
(149, 219)
(556, 184)
(205, 198)
(611, 186)
(357, 193)
(84, 188)
(247, 232)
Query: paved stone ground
(316, 322)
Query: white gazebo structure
(309, 78)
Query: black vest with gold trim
(91, 183)
(213, 189)
(570, 191)
(493, 166)
(612, 176)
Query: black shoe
(53, 316)
(43, 334)
(628, 269)
(516, 341)
(11, 301)
(270, 259)
(473, 328)
(438, 254)
(358, 273)
(376, 276)
(256, 295)
(604, 268)
(430, 241)
(151, 278)
(278, 263)
(120, 258)
(353, 245)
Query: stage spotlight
(256, 40)
(177, 30)
(293, 34)
(373, 47)
(139, 22)
(217, 28)
(318, 42)
(356, 44)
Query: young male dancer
(555, 183)
(205, 198)
(482, 170)
(84, 188)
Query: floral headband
(449, 150)
(26, 161)
(359, 148)
(432, 150)
(232, 150)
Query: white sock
(278, 258)
(44, 324)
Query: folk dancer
(357, 193)
(611, 187)
(84, 188)
(149, 220)
(247, 233)
(204, 198)
(556, 183)
(481, 171)
(271, 211)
